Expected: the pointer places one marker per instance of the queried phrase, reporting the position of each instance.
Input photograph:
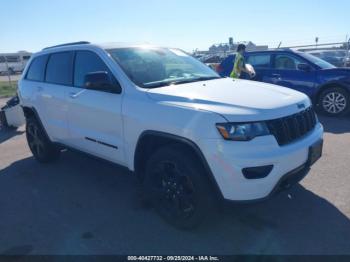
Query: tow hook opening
(257, 172)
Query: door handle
(76, 94)
(73, 95)
(277, 76)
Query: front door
(287, 73)
(94, 117)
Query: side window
(259, 61)
(59, 68)
(36, 70)
(87, 62)
(287, 62)
(12, 59)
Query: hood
(338, 71)
(336, 75)
(235, 100)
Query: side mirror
(304, 67)
(101, 81)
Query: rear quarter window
(36, 70)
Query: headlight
(242, 132)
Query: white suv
(190, 136)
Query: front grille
(290, 128)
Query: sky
(34, 24)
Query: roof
(273, 50)
(111, 45)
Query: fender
(324, 86)
(181, 140)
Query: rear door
(286, 73)
(95, 120)
(58, 79)
(262, 66)
(49, 97)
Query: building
(231, 47)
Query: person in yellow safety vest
(239, 65)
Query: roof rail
(68, 44)
(280, 49)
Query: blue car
(326, 85)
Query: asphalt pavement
(81, 205)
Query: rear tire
(176, 185)
(334, 101)
(41, 147)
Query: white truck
(12, 63)
(190, 136)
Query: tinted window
(259, 61)
(36, 70)
(87, 62)
(287, 62)
(59, 68)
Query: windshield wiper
(182, 81)
(197, 79)
(156, 85)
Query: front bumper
(226, 160)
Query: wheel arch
(149, 141)
(329, 85)
(31, 112)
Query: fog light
(257, 172)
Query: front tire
(334, 101)
(41, 147)
(176, 185)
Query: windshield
(317, 61)
(157, 67)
